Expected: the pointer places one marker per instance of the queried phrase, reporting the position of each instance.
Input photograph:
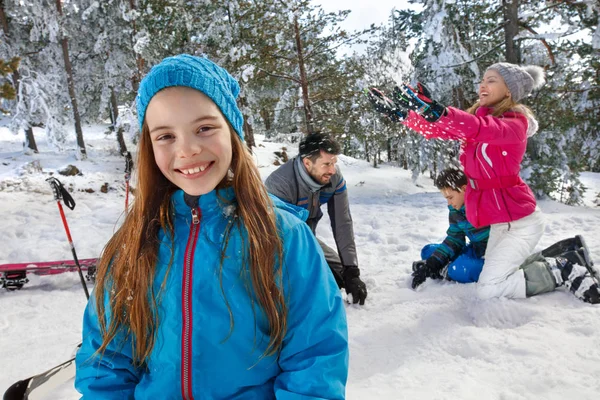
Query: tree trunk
(510, 9)
(248, 130)
(266, 117)
(71, 86)
(308, 117)
(389, 149)
(139, 61)
(114, 111)
(3, 19)
(248, 134)
(29, 138)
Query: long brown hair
(127, 266)
(503, 106)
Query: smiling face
(454, 198)
(492, 89)
(323, 168)
(190, 138)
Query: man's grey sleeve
(280, 187)
(341, 225)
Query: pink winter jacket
(492, 151)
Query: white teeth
(194, 170)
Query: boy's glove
(423, 269)
(386, 106)
(420, 101)
(354, 285)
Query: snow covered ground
(437, 343)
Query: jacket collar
(215, 201)
(483, 111)
(305, 176)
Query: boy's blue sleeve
(111, 375)
(314, 357)
(454, 242)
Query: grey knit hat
(520, 79)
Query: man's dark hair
(311, 146)
(451, 178)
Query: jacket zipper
(186, 307)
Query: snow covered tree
(64, 43)
(297, 47)
(9, 49)
(7, 68)
(457, 40)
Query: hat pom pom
(538, 75)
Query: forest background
(67, 64)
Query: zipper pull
(195, 218)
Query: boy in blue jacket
(454, 258)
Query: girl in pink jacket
(493, 135)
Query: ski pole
(60, 193)
(128, 166)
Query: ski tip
(17, 391)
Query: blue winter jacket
(196, 354)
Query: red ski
(14, 276)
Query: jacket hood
(296, 211)
(532, 123)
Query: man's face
(454, 198)
(323, 168)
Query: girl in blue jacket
(210, 289)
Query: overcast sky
(363, 12)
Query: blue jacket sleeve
(454, 242)
(314, 357)
(111, 375)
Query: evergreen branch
(315, 100)
(286, 77)
(320, 77)
(349, 40)
(283, 57)
(476, 58)
(559, 2)
(544, 42)
(550, 54)
(576, 90)
(32, 52)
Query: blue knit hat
(197, 73)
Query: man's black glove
(354, 285)
(419, 100)
(386, 106)
(423, 269)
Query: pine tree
(7, 90)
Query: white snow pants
(508, 246)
